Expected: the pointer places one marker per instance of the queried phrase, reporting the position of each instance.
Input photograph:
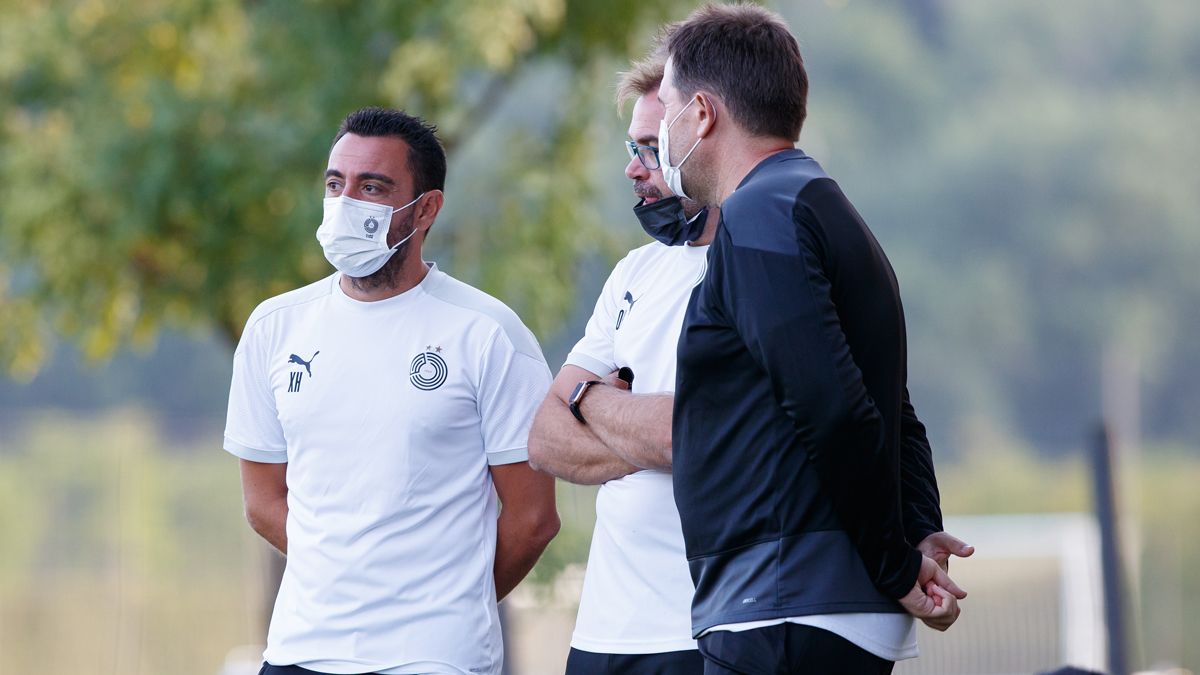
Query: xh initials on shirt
(296, 377)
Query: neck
(389, 281)
(746, 154)
(710, 227)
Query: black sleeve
(779, 298)
(918, 484)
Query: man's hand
(614, 379)
(940, 546)
(934, 598)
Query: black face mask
(665, 221)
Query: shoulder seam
(499, 325)
(283, 307)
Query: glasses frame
(635, 150)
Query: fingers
(625, 373)
(934, 599)
(957, 546)
(612, 379)
(918, 603)
(947, 611)
(616, 378)
(943, 544)
(943, 580)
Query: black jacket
(802, 474)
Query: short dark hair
(746, 55)
(426, 156)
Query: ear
(709, 106)
(428, 208)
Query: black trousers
(269, 669)
(787, 649)
(687, 662)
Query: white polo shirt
(388, 415)
(637, 592)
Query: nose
(635, 171)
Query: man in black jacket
(798, 460)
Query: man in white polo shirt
(635, 611)
(380, 414)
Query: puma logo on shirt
(307, 364)
(621, 315)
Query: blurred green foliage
(1029, 167)
(162, 158)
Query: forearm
(918, 481)
(560, 446)
(265, 493)
(519, 544)
(637, 427)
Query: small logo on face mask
(428, 370)
(371, 226)
(629, 310)
(296, 377)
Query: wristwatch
(577, 398)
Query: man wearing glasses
(634, 612)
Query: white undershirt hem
(888, 636)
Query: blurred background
(1031, 169)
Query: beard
(388, 276)
(646, 190)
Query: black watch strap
(577, 398)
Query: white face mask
(670, 173)
(353, 234)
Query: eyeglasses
(646, 154)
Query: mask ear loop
(401, 208)
(694, 145)
(410, 234)
(680, 113)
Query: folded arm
(636, 427)
(561, 446)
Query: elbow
(256, 517)
(266, 514)
(540, 528)
(546, 528)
